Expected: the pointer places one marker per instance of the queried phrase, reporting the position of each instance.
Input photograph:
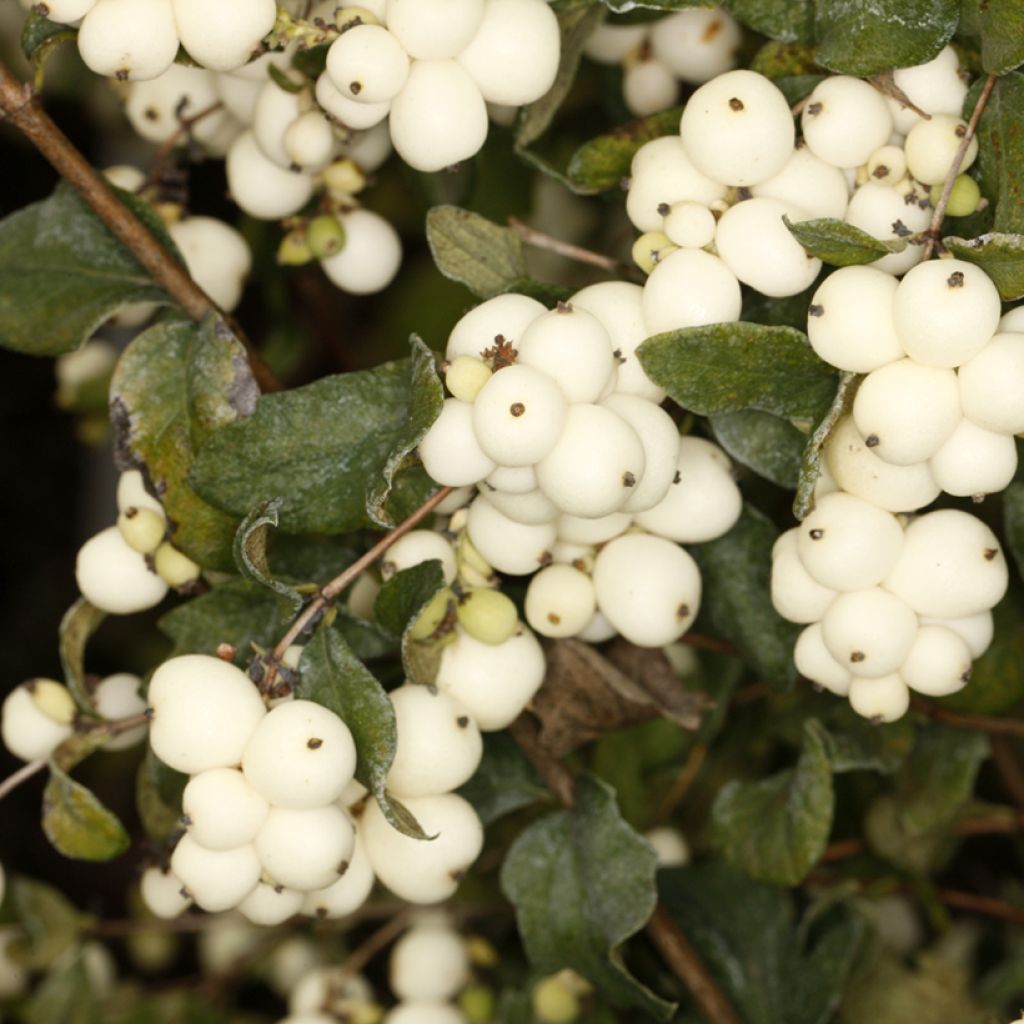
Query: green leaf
(425, 404)
(64, 996)
(485, 257)
(856, 744)
(737, 603)
(396, 610)
(938, 778)
(1001, 256)
(317, 446)
(786, 60)
(810, 468)
(1013, 515)
(505, 780)
(582, 882)
(841, 244)
(51, 924)
(176, 385)
(250, 550)
(62, 273)
(80, 621)
(1001, 23)
(776, 829)
(887, 835)
(603, 163)
(1001, 150)
(158, 790)
(770, 445)
(744, 932)
(786, 20)
(332, 675)
(726, 367)
(312, 61)
(239, 613)
(856, 38)
(40, 37)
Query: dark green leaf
(856, 744)
(770, 445)
(158, 790)
(841, 244)
(887, 836)
(317, 446)
(64, 997)
(603, 163)
(582, 882)
(938, 777)
(426, 400)
(333, 676)
(504, 782)
(309, 558)
(736, 570)
(810, 468)
(1013, 513)
(238, 613)
(1001, 150)
(867, 39)
(1001, 256)
(62, 274)
(797, 87)
(80, 621)
(75, 821)
(776, 829)
(785, 20)
(397, 608)
(176, 385)
(786, 60)
(50, 922)
(250, 550)
(726, 367)
(40, 37)
(744, 932)
(1001, 23)
(311, 61)
(485, 257)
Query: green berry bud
(344, 178)
(651, 248)
(53, 699)
(174, 568)
(481, 952)
(554, 1002)
(325, 236)
(477, 1003)
(431, 618)
(465, 376)
(963, 199)
(142, 528)
(294, 250)
(467, 554)
(488, 616)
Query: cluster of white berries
(711, 200)
(329, 995)
(276, 825)
(689, 46)
(940, 404)
(891, 604)
(130, 566)
(583, 479)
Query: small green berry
(554, 1002)
(964, 198)
(142, 528)
(325, 236)
(651, 248)
(294, 251)
(488, 616)
(465, 376)
(477, 1003)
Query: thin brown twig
(991, 724)
(540, 240)
(357, 960)
(982, 905)
(182, 131)
(935, 228)
(682, 784)
(20, 105)
(330, 592)
(1009, 767)
(707, 643)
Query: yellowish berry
(53, 699)
(294, 251)
(142, 528)
(554, 1002)
(488, 616)
(477, 1003)
(651, 248)
(344, 178)
(465, 376)
(963, 199)
(174, 568)
(431, 618)
(325, 236)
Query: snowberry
(309, 141)
(611, 44)
(974, 461)
(416, 547)
(493, 682)
(174, 567)
(847, 543)
(300, 755)
(276, 108)
(268, 905)
(976, 631)
(368, 64)
(888, 214)
(511, 547)
(703, 501)
(860, 471)
(330, 989)
(439, 745)
(850, 321)
(439, 118)
(555, 1000)
(991, 385)
(156, 107)
(945, 311)
(815, 662)
(465, 377)
(690, 224)
(504, 318)
(845, 120)
(142, 528)
(881, 699)
(64, 12)
(512, 480)
(939, 662)
(215, 879)
(796, 595)
(905, 411)
(117, 697)
(869, 632)
(488, 615)
(222, 810)
(348, 893)
(519, 413)
(346, 111)
(690, 288)
(696, 44)
(259, 186)
(560, 601)
(660, 439)
(163, 893)
(662, 174)
(932, 146)
(951, 566)
(650, 249)
(204, 711)
(648, 86)
(887, 165)
(533, 508)
(115, 578)
(648, 588)
(964, 196)
(216, 256)
(670, 845)
(597, 630)
(424, 871)
(424, 1013)
(755, 244)
(737, 128)
(305, 848)
(1012, 321)
(132, 493)
(809, 183)
(223, 36)
(129, 39)
(594, 466)
(370, 257)
(587, 530)
(428, 962)
(36, 718)
(514, 55)
(934, 87)
(434, 29)
(450, 451)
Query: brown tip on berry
(872, 441)
(628, 479)
(736, 103)
(814, 309)
(462, 721)
(227, 652)
(663, 209)
(814, 109)
(517, 408)
(314, 743)
(857, 656)
(956, 279)
(355, 88)
(564, 307)
(991, 553)
(683, 611)
(554, 618)
(816, 534)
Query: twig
(707, 643)
(935, 228)
(23, 774)
(526, 732)
(20, 106)
(979, 723)
(330, 592)
(1009, 768)
(682, 784)
(982, 905)
(540, 240)
(182, 131)
(357, 960)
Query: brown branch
(982, 905)
(935, 228)
(707, 643)
(20, 106)
(330, 592)
(681, 786)
(526, 732)
(540, 240)
(1009, 767)
(181, 132)
(991, 724)
(358, 959)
